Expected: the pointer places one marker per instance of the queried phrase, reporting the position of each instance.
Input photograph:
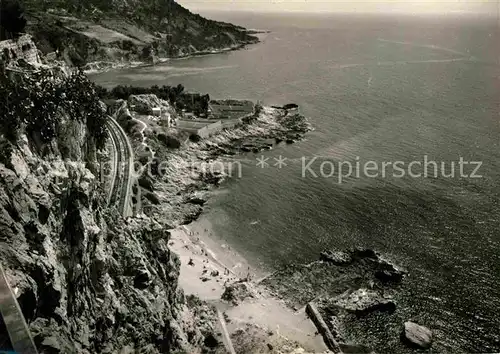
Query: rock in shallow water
(416, 335)
(336, 257)
(355, 349)
(363, 301)
(389, 276)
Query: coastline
(212, 270)
(209, 266)
(254, 303)
(351, 282)
(102, 66)
(261, 314)
(358, 281)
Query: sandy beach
(208, 266)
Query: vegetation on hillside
(50, 35)
(130, 30)
(37, 103)
(154, 15)
(175, 95)
(12, 21)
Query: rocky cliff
(87, 283)
(87, 280)
(21, 48)
(119, 30)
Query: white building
(157, 111)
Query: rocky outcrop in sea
(355, 292)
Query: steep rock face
(71, 137)
(87, 283)
(21, 48)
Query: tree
(6, 153)
(12, 21)
(82, 104)
(179, 89)
(37, 102)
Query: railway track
(121, 185)
(117, 157)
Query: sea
(378, 89)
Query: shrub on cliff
(6, 153)
(169, 141)
(82, 104)
(45, 99)
(12, 19)
(36, 102)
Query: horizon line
(333, 12)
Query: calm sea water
(381, 89)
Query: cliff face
(23, 47)
(127, 30)
(86, 283)
(86, 280)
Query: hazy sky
(419, 6)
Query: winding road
(120, 193)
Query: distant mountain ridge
(127, 30)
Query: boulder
(336, 257)
(416, 335)
(389, 276)
(191, 216)
(355, 349)
(387, 272)
(237, 292)
(197, 200)
(361, 253)
(363, 301)
(152, 197)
